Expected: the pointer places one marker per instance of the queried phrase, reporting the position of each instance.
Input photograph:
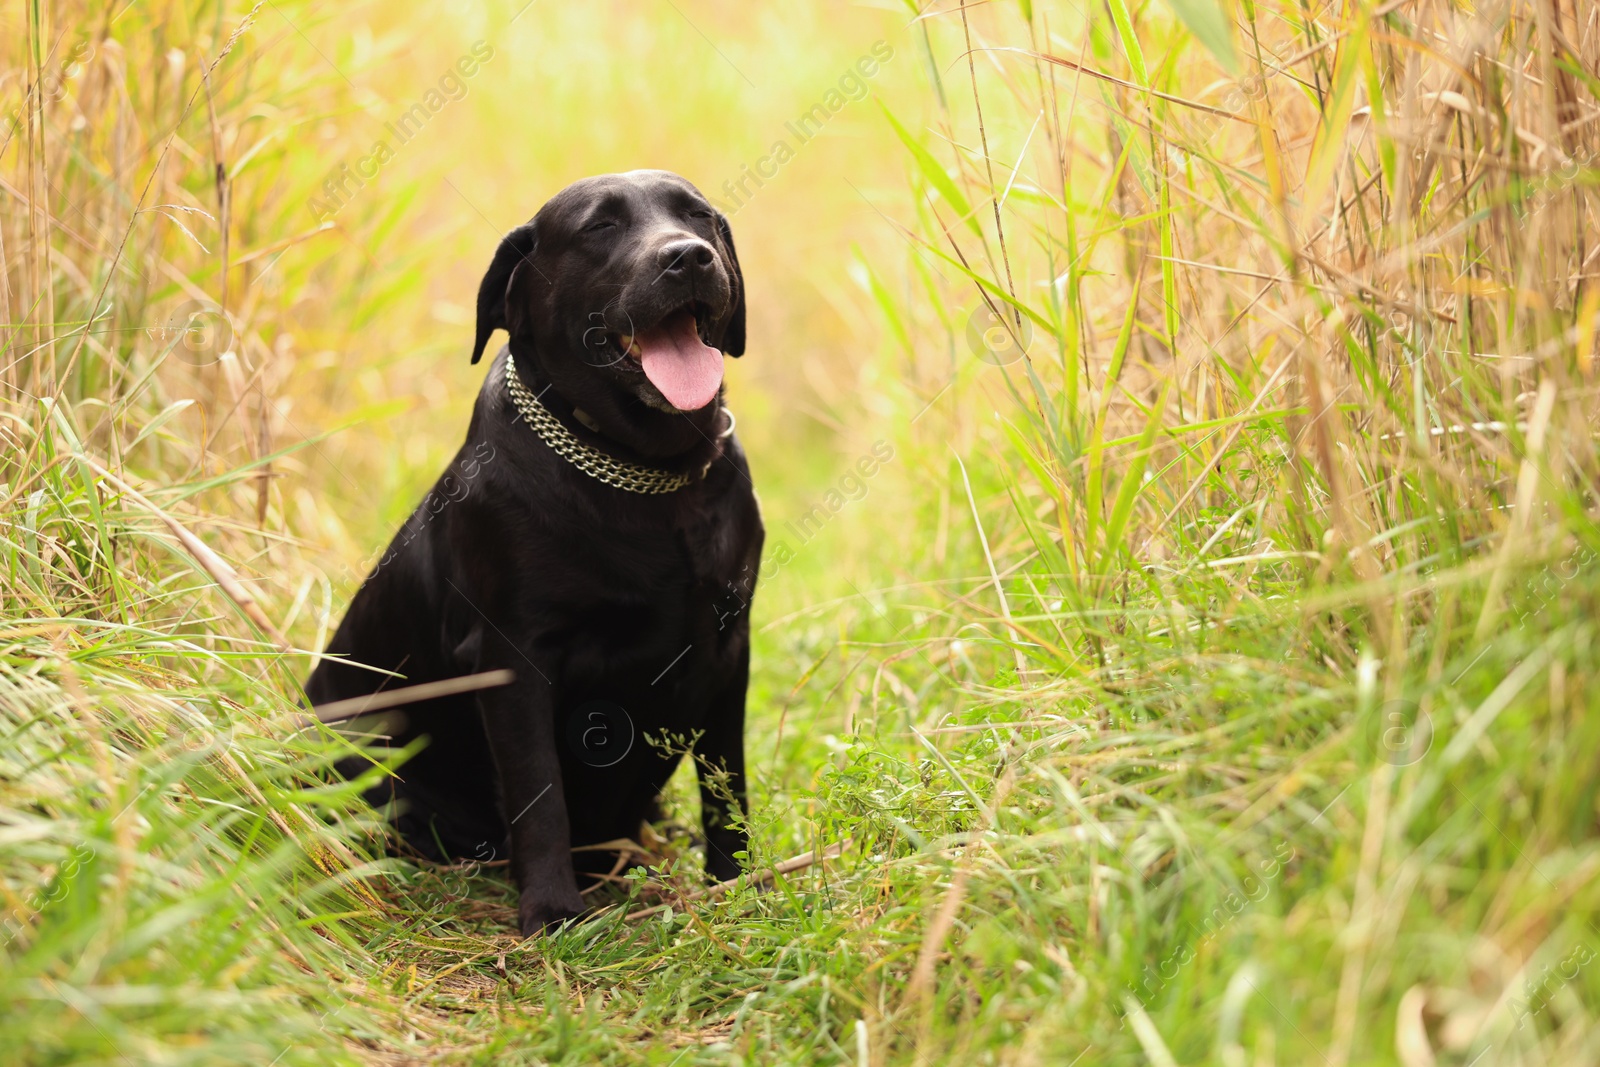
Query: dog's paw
(725, 863)
(538, 914)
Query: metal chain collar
(590, 460)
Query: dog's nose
(684, 256)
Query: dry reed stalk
(221, 572)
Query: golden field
(1210, 682)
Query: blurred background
(351, 311)
(1204, 672)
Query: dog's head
(624, 287)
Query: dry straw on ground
(1307, 408)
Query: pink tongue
(686, 370)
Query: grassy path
(1215, 684)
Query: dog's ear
(733, 336)
(515, 250)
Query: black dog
(599, 536)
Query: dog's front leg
(719, 759)
(519, 720)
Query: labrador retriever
(598, 535)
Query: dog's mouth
(677, 357)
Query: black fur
(515, 249)
(587, 592)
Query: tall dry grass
(1211, 684)
(1307, 418)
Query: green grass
(1216, 685)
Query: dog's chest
(629, 598)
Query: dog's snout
(690, 255)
